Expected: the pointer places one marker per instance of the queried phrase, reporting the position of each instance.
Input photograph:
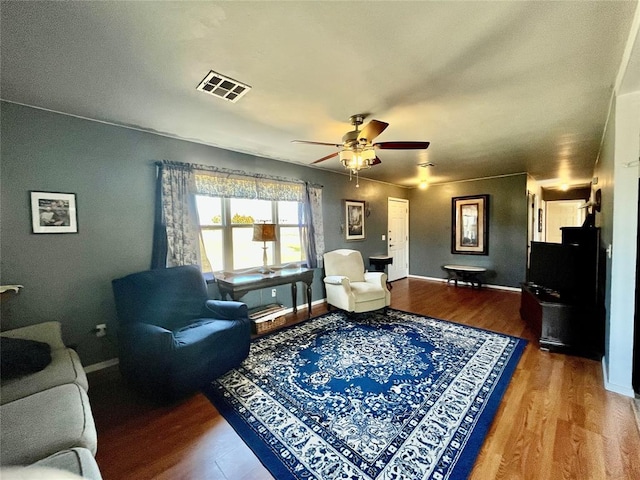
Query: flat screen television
(556, 267)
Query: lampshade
(357, 159)
(345, 156)
(264, 232)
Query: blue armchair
(172, 339)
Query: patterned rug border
(474, 442)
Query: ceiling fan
(357, 150)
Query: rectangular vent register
(223, 87)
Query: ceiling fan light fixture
(357, 159)
(346, 158)
(357, 150)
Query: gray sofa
(45, 416)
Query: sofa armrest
(336, 280)
(227, 310)
(378, 278)
(145, 352)
(46, 332)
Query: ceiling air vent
(223, 87)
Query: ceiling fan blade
(376, 161)
(335, 154)
(402, 145)
(371, 130)
(317, 143)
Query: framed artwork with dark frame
(354, 219)
(469, 225)
(540, 220)
(53, 212)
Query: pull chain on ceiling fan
(357, 152)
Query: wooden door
(398, 238)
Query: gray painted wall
(67, 277)
(430, 221)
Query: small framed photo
(469, 227)
(53, 212)
(354, 219)
(540, 220)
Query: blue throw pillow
(21, 357)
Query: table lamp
(264, 232)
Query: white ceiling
(496, 87)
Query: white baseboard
(484, 285)
(612, 387)
(101, 365)
(304, 306)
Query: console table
(379, 262)
(237, 284)
(464, 273)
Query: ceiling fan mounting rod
(351, 139)
(357, 119)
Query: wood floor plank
(556, 420)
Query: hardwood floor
(556, 421)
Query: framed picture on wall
(540, 220)
(354, 219)
(53, 212)
(469, 226)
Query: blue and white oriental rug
(398, 397)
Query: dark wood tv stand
(560, 326)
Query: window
(227, 231)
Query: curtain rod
(229, 172)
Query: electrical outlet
(273, 292)
(100, 330)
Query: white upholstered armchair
(351, 288)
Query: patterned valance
(219, 184)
